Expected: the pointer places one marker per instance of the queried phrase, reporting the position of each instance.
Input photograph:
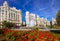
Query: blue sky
(43, 8)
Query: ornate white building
(27, 18)
(10, 14)
(35, 19)
(30, 18)
(53, 21)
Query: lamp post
(51, 24)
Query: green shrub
(1, 31)
(55, 26)
(36, 28)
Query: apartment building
(10, 14)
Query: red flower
(17, 39)
(14, 33)
(55, 38)
(24, 40)
(59, 38)
(36, 40)
(7, 31)
(45, 39)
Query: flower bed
(33, 35)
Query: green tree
(4, 23)
(8, 24)
(58, 17)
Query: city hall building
(10, 14)
(35, 20)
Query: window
(14, 16)
(9, 15)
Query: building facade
(30, 18)
(53, 21)
(10, 14)
(27, 18)
(44, 22)
(36, 20)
